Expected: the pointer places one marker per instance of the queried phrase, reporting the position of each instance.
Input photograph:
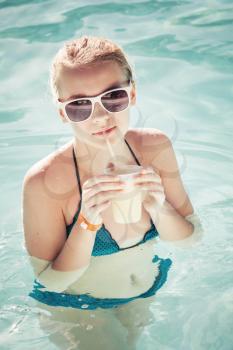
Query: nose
(99, 113)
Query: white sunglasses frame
(93, 100)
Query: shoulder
(42, 206)
(149, 141)
(49, 174)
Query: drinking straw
(110, 149)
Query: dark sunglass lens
(115, 101)
(78, 111)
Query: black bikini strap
(152, 224)
(132, 153)
(77, 172)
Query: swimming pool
(182, 53)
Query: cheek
(122, 121)
(81, 131)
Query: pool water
(182, 54)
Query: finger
(149, 177)
(101, 178)
(101, 197)
(147, 180)
(154, 192)
(108, 186)
(146, 170)
(158, 191)
(150, 186)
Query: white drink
(127, 206)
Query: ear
(63, 118)
(133, 95)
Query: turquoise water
(182, 55)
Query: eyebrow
(112, 86)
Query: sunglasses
(81, 109)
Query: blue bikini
(104, 245)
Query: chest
(126, 234)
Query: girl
(81, 257)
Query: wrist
(86, 224)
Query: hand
(97, 194)
(150, 182)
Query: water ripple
(73, 20)
(169, 45)
(207, 17)
(15, 3)
(9, 116)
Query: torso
(136, 270)
(121, 233)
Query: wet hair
(87, 51)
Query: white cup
(127, 205)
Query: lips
(104, 131)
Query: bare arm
(173, 220)
(57, 261)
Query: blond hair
(87, 51)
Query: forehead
(89, 81)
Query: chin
(118, 135)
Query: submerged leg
(70, 328)
(135, 317)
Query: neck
(89, 152)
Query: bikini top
(104, 243)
